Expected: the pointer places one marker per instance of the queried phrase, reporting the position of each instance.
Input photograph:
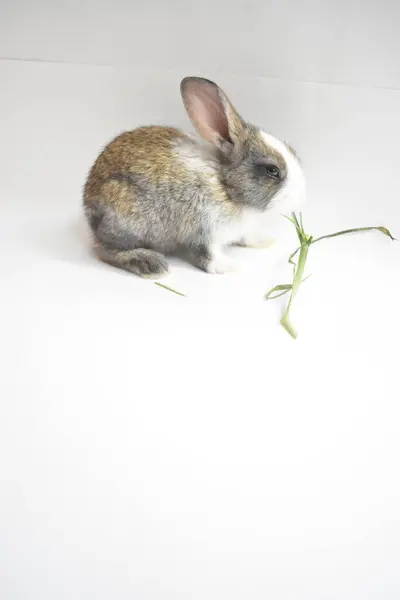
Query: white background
(157, 447)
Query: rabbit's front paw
(222, 264)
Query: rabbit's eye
(272, 172)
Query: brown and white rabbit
(156, 191)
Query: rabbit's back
(162, 162)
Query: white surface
(157, 447)
(345, 41)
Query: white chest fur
(251, 228)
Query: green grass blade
(291, 257)
(166, 287)
(283, 289)
(290, 219)
(383, 230)
(295, 219)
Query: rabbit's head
(257, 169)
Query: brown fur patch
(120, 195)
(145, 151)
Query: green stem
(285, 321)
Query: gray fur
(157, 223)
(180, 228)
(146, 263)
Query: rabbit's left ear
(211, 111)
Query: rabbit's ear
(210, 111)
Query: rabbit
(156, 191)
